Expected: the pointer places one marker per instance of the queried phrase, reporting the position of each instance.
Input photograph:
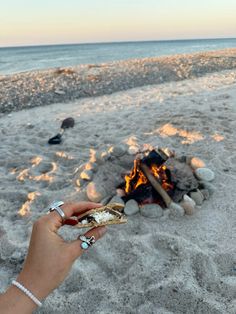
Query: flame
(25, 208)
(137, 178)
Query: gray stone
(206, 194)
(151, 211)
(133, 150)
(197, 197)
(86, 175)
(176, 210)
(95, 192)
(204, 174)
(118, 150)
(116, 199)
(208, 186)
(131, 208)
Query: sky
(31, 22)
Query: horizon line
(113, 42)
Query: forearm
(15, 301)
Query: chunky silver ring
(56, 206)
(86, 241)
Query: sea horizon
(40, 57)
(116, 42)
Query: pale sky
(31, 22)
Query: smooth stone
(95, 192)
(133, 150)
(86, 175)
(206, 194)
(120, 192)
(204, 174)
(186, 198)
(118, 150)
(188, 207)
(151, 211)
(197, 197)
(116, 199)
(208, 186)
(196, 163)
(176, 209)
(131, 208)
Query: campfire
(150, 180)
(160, 177)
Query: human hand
(49, 256)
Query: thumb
(75, 246)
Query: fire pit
(155, 180)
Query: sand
(173, 265)
(39, 88)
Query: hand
(49, 257)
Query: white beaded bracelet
(27, 292)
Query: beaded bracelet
(27, 292)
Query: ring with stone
(86, 241)
(55, 206)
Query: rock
(208, 186)
(86, 175)
(176, 210)
(117, 199)
(131, 208)
(189, 199)
(151, 211)
(133, 150)
(188, 207)
(120, 192)
(78, 182)
(197, 197)
(205, 174)
(118, 150)
(101, 157)
(166, 214)
(95, 192)
(196, 163)
(206, 194)
(59, 92)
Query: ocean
(20, 59)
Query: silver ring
(56, 206)
(86, 241)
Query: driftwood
(156, 185)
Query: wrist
(15, 301)
(35, 286)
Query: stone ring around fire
(55, 206)
(86, 241)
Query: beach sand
(173, 265)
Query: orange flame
(137, 177)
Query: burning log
(156, 185)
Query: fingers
(75, 246)
(70, 209)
